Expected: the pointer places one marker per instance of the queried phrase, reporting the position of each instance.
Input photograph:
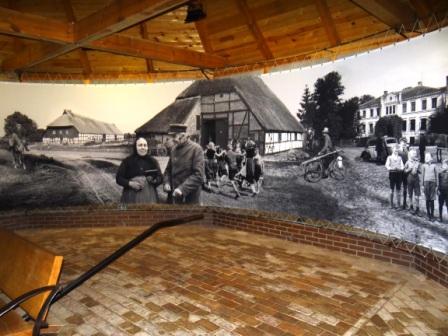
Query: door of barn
(215, 130)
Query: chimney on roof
(67, 111)
(447, 82)
(420, 83)
(385, 92)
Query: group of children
(239, 164)
(406, 170)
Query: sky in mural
(129, 106)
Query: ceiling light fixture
(195, 12)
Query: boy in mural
(17, 146)
(395, 167)
(404, 153)
(211, 165)
(443, 188)
(184, 173)
(412, 171)
(430, 181)
(232, 164)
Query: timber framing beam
(328, 23)
(125, 45)
(255, 30)
(119, 15)
(35, 27)
(144, 35)
(392, 13)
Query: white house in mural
(230, 109)
(414, 105)
(71, 128)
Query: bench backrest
(25, 266)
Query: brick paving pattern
(199, 280)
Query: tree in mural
(324, 108)
(307, 111)
(390, 126)
(439, 121)
(365, 98)
(29, 126)
(350, 119)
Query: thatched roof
(270, 112)
(175, 113)
(83, 124)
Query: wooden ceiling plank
(328, 23)
(36, 27)
(125, 45)
(119, 15)
(255, 30)
(202, 29)
(144, 34)
(423, 9)
(392, 13)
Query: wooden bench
(24, 266)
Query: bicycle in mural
(313, 170)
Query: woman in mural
(258, 171)
(139, 175)
(250, 164)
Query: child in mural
(443, 188)
(258, 171)
(232, 158)
(404, 153)
(395, 167)
(412, 171)
(222, 166)
(429, 174)
(139, 174)
(211, 165)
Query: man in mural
(17, 146)
(422, 146)
(184, 173)
(443, 188)
(326, 148)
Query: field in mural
(66, 177)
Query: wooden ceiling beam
(328, 23)
(121, 14)
(83, 58)
(201, 28)
(111, 76)
(144, 34)
(35, 27)
(254, 29)
(125, 45)
(392, 13)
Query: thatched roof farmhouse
(230, 109)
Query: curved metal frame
(58, 291)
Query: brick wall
(347, 240)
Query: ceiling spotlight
(195, 12)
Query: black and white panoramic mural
(362, 142)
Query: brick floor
(197, 280)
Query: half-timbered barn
(71, 128)
(230, 109)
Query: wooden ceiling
(94, 41)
